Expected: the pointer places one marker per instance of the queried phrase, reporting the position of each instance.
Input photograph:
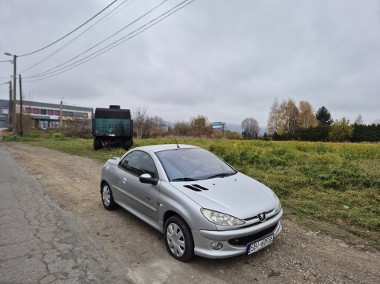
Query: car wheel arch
(171, 213)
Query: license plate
(256, 246)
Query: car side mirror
(147, 178)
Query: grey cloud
(224, 59)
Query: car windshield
(193, 164)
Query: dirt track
(297, 256)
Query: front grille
(258, 222)
(256, 217)
(243, 241)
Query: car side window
(138, 163)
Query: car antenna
(176, 143)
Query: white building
(45, 115)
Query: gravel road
(299, 255)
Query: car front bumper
(235, 242)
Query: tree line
(146, 126)
(286, 121)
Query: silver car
(200, 203)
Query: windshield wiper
(221, 175)
(183, 179)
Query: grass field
(334, 187)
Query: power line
(7, 82)
(99, 43)
(117, 42)
(74, 30)
(82, 33)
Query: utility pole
(60, 115)
(14, 95)
(14, 99)
(10, 105)
(21, 117)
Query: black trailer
(112, 127)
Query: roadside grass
(332, 187)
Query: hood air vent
(196, 187)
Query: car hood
(237, 195)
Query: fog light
(216, 245)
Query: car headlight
(278, 204)
(221, 219)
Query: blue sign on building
(217, 124)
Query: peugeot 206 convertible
(200, 203)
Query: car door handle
(124, 181)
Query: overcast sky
(224, 59)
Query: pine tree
(323, 116)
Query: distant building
(4, 113)
(45, 115)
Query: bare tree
(157, 126)
(27, 123)
(181, 128)
(141, 122)
(250, 128)
(359, 120)
(273, 118)
(77, 127)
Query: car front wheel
(107, 197)
(179, 240)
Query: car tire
(179, 239)
(107, 197)
(97, 144)
(128, 144)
